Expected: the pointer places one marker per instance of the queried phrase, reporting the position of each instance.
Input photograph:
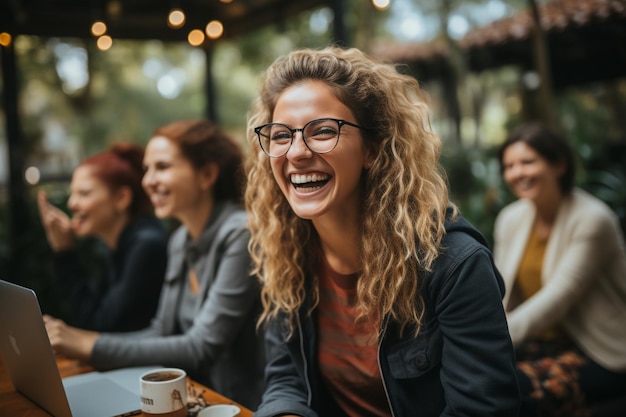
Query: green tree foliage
(121, 100)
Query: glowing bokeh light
(104, 42)
(5, 39)
(214, 29)
(195, 37)
(32, 175)
(320, 20)
(381, 4)
(176, 18)
(98, 28)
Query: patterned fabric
(553, 369)
(348, 349)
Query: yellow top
(529, 276)
(529, 273)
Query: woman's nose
(298, 148)
(72, 202)
(148, 178)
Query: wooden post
(339, 25)
(209, 87)
(18, 211)
(541, 56)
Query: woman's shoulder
(461, 240)
(149, 224)
(511, 217)
(585, 201)
(146, 229)
(583, 208)
(464, 249)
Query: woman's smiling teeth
(78, 219)
(158, 197)
(309, 182)
(524, 184)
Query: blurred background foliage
(75, 100)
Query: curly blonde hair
(404, 194)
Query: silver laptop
(31, 364)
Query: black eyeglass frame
(340, 124)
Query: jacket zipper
(306, 365)
(380, 369)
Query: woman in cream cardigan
(561, 253)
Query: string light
(5, 39)
(104, 42)
(176, 18)
(195, 37)
(98, 28)
(214, 29)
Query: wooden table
(14, 404)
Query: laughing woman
(109, 203)
(381, 299)
(562, 256)
(206, 321)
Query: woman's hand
(70, 341)
(57, 224)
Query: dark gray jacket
(461, 364)
(222, 349)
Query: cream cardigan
(583, 276)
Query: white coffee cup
(164, 392)
(220, 410)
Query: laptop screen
(32, 366)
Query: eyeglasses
(320, 136)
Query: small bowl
(220, 410)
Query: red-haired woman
(109, 203)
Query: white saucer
(220, 410)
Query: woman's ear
(123, 198)
(560, 168)
(208, 175)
